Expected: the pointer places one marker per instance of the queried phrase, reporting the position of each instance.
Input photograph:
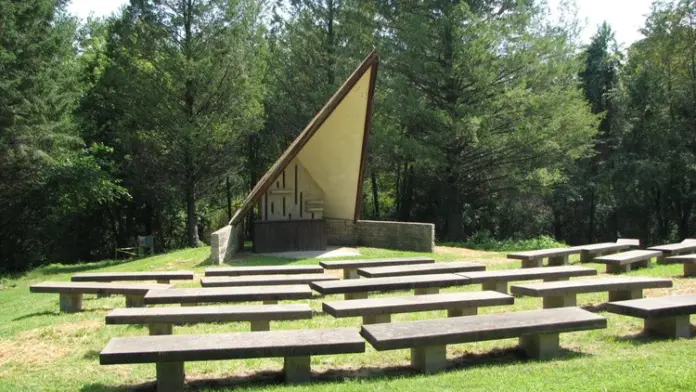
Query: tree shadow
(64, 269)
(643, 337)
(37, 314)
(595, 308)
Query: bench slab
(228, 294)
(388, 284)
(629, 257)
(676, 248)
(265, 270)
(208, 314)
(265, 280)
(542, 253)
(589, 286)
(349, 267)
(128, 276)
(418, 303)
(655, 307)
(96, 288)
(510, 275)
(420, 269)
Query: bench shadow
(149, 387)
(37, 314)
(595, 308)
(642, 338)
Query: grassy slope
(43, 350)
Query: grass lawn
(44, 350)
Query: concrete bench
(358, 288)
(681, 248)
(535, 258)
(589, 252)
(497, 280)
(625, 261)
(265, 270)
(265, 280)
(665, 316)
(71, 292)
(159, 276)
(169, 352)
(379, 310)
(267, 294)
(561, 294)
(689, 262)
(161, 320)
(350, 267)
(537, 331)
(420, 269)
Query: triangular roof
(369, 65)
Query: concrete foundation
(543, 346)
(429, 359)
(377, 319)
(260, 325)
(135, 301)
(618, 269)
(297, 369)
(349, 296)
(689, 269)
(625, 295)
(496, 285)
(170, 376)
(427, 290)
(672, 327)
(350, 273)
(70, 302)
(558, 260)
(160, 329)
(537, 263)
(560, 301)
(472, 311)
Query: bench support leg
(560, 301)
(160, 329)
(260, 325)
(625, 295)
(429, 359)
(270, 302)
(660, 259)
(70, 302)
(537, 263)
(427, 290)
(557, 279)
(189, 304)
(297, 369)
(586, 257)
(672, 327)
(377, 318)
(496, 285)
(542, 346)
(170, 376)
(617, 269)
(689, 269)
(349, 296)
(468, 311)
(135, 301)
(558, 260)
(350, 273)
(643, 264)
(163, 281)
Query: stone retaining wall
(412, 236)
(226, 242)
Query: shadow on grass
(497, 357)
(248, 259)
(37, 314)
(65, 269)
(643, 337)
(595, 308)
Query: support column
(135, 301)
(500, 286)
(618, 268)
(660, 259)
(543, 346)
(297, 369)
(270, 302)
(377, 318)
(536, 263)
(163, 281)
(672, 327)
(689, 269)
(469, 311)
(350, 273)
(70, 302)
(556, 279)
(625, 295)
(643, 264)
(429, 359)
(160, 329)
(170, 376)
(260, 325)
(362, 295)
(558, 260)
(560, 301)
(427, 290)
(189, 304)
(586, 256)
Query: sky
(625, 16)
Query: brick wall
(226, 242)
(341, 232)
(382, 234)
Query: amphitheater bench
(664, 316)
(624, 262)
(71, 292)
(159, 276)
(161, 320)
(689, 262)
(169, 352)
(535, 258)
(537, 331)
(680, 248)
(589, 252)
(193, 296)
(358, 288)
(497, 280)
(379, 310)
(350, 267)
(420, 269)
(265, 270)
(562, 294)
(265, 280)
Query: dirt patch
(470, 254)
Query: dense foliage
(490, 120)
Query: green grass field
(44, 350)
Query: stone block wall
(341, 232)
(411, 236)
(226, 242)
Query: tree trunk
(191, 226)
(375, 195)
(593, 207)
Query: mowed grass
(44, 350)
